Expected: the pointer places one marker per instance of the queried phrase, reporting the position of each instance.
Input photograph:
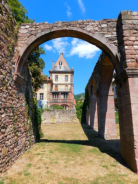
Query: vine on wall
(81, 107)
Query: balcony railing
(61, 90)
(60, 100)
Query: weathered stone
(134, 13)
(108, 35)
(136, 47)
(104, 25)
(4, 151)
(126, 15)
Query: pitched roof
(61, 65)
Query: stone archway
(102, 33)
(109, 35)
(118, 38)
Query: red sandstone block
(134, 99)
(129, 43)
(110, 115)
(131, 63)
(133, 90)
(130, 52)
(133, 82)
(128, 33)
(135, 130)
(135, 119)
(130, 57)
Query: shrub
(37, 121)
(116, 117)
(57, 107)
(79, 109)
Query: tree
(35, 63)
(19, 12)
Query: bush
(37, 121)
(79, 109)
(57, 107)
(34, 115)
(116, 117)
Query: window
(41, 96)
(56, 77)
(42, 85)
(64, 96)
(56, 87)
(66, 78)
(55, 95)
(60, 63)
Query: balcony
(60, 90)
(60, 101)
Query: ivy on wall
(81, 107)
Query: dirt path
(70, 154)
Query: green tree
(19, 12)
(35, 63)
(79, 109)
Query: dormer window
(60, 63)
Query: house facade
(43, 93)
(59, 88)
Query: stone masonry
(102, 98)
(118, 38)
(101, 33)
(16, 131)
(59, 116)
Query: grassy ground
(70, 154)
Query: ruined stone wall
(127, 28)
(96, 72)
(100, 33)
(60, 116)
(16, 132)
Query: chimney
(52, 64)
(61, 53)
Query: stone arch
(121, 34)
(105, 99)
(93, 105)
(35, 40)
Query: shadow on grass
(110, 147)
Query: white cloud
(76, 47)
(69, 13)
(83, 49)
(48, 47)
(74, 41)
(60, 44)
(82, 7)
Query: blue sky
(80, 55)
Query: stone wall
(127, 27)
(118, 38)
(60, 116)
(101, 33)
(16, 132)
